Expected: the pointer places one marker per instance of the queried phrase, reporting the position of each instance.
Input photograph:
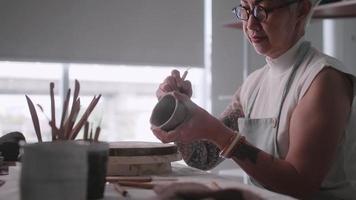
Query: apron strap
(252, 99)
(302, 52)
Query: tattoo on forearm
(200, 154)
(231, 119)
(204, 154)
(246, 151)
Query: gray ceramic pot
(54, 170)
(169, 113)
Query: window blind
(149, 32)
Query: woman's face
(275, 35)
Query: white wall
(340, 41)
(349, 58)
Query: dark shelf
(341, 9)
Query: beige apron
(262, 133)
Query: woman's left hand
(200, 125)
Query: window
(128, 96)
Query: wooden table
(182, 173)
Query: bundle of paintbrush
(68, 128)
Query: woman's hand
(200, 125)
(174, 82)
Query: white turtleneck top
(272, 78)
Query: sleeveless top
(340, 182)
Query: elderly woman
(289, 124)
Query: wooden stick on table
(120, 190)
(215, 185)
(143, 185)
(138, 178)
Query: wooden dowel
(138, 178)
(53, 111)
(128, 178)
(120, 190)
(143, 185)
(215, 185)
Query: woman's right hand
(174, 82)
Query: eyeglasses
(259, 12)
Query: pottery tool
(68, 129)
(138, 178)
(34, 117)
(54, 128)
(76, 91)
(53, 111)
(42, 110)
(71, 119)
(84, 117)
(64, 114)
(215, 185)
(86, 130)
(142, 185)
(97, 132)
(120, 190)
(185, 73)
(91, 133)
